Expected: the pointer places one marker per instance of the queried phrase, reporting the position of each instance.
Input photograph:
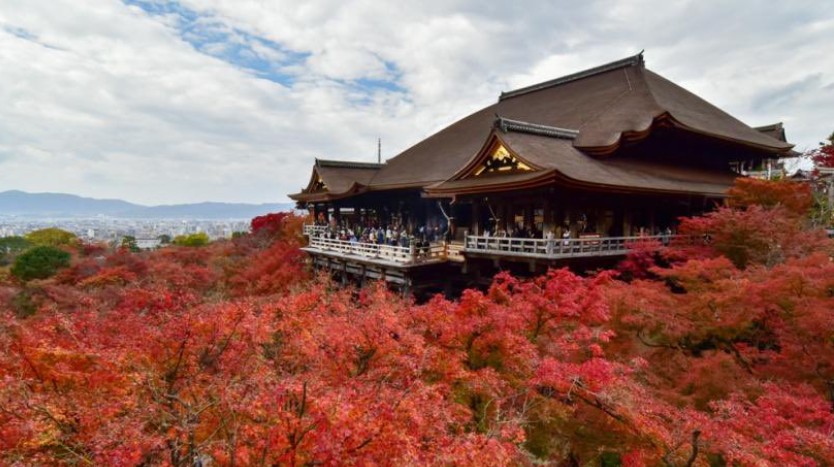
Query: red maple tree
(824, 155)
(710, 354)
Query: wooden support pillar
(504, 214)
(558, 218)
(406, 286)
(477, 228)
(567, 222)
(627, 222)
(616, 222)
(328, 215)
(452, 223)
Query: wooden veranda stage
(398, 265)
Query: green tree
(197, 239)
(129, 243)
(11, 247)
(164, 239)
(51, 236)
(39, 262)
(23, 305)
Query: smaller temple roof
(774, 130)
(777, 131)
(333, 179)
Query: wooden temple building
(568, 171)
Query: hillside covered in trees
(718, 351)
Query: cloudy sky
(230, 100)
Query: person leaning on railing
(550, 241)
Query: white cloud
(103, 99)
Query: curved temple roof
(558, 160)
(337, 179)
(573, 126)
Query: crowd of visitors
(394, 234)
(398, 234)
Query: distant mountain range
(19, 203)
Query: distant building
(769, 169)
(148, 243)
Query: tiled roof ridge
(771, 127)
(347, 164)
(518, 126)
(634, 60)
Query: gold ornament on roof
(501, 161)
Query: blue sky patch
(262, 57)
(390, 84)
(26, 35)
(20, 32)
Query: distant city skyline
(30, 205)
(113, 230)
(164, 102)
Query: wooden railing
(557, 248)
(312, 229)
(454, 252)
(398, 254)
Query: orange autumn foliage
(232, 354)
